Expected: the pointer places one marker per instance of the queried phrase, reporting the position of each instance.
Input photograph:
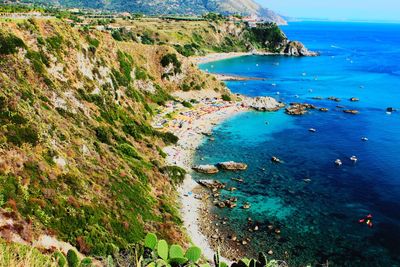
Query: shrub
(103, 134)
(60, 258)
(187, 104)
(226, 97)
(177, 174)
(116, 34)
(10, 43)
(54, 42)
(19, 135)
(185, 87)
(93, 41)
(168, 138)
(140, 73)
(129, 151)
(38, 60)
(72, 258)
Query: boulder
(232, 166)
(207, 169)
(298, 108)
(262, 103)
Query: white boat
(353, 159)
(364, 139)
(338, 162)
(312, 130)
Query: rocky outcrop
(351, 111)
(295, 48)
(299, 108)
(262, 103)
(207, 169)
(232, 166)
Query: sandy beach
(218, 56)
(190, 125)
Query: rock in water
(232, 166)
(207, 169)
(262, 103)
(295, 48)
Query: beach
(218, 56)
(190, 126)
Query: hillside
(78, 157)
(183, 7)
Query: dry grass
(14, 255)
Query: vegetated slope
(78, 158)
(200, 37)
(184, 7)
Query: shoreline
(191, 194)
(192, 126)
(218, 56)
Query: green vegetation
(72, 258)
(226, 97)
(9, 43)
(15, 255)
(176, 174)
(266, 36)
(171, 59)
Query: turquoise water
(318, 218)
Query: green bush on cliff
(9, 43)
(226, 97)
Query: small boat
(338, 162)
(276, 160)
(273, 84)
(277, 93)
(304, 74)
(353, 159)
(312, 130)
(364, 139)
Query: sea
(316, 204)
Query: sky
(372, 10)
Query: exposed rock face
(232, 166)
(263, 103)
(299, 108)
(207, 169)
(295, 48)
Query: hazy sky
(337, 9)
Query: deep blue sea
(318, 217)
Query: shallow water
(319, 219)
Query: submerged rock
(332, 98)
